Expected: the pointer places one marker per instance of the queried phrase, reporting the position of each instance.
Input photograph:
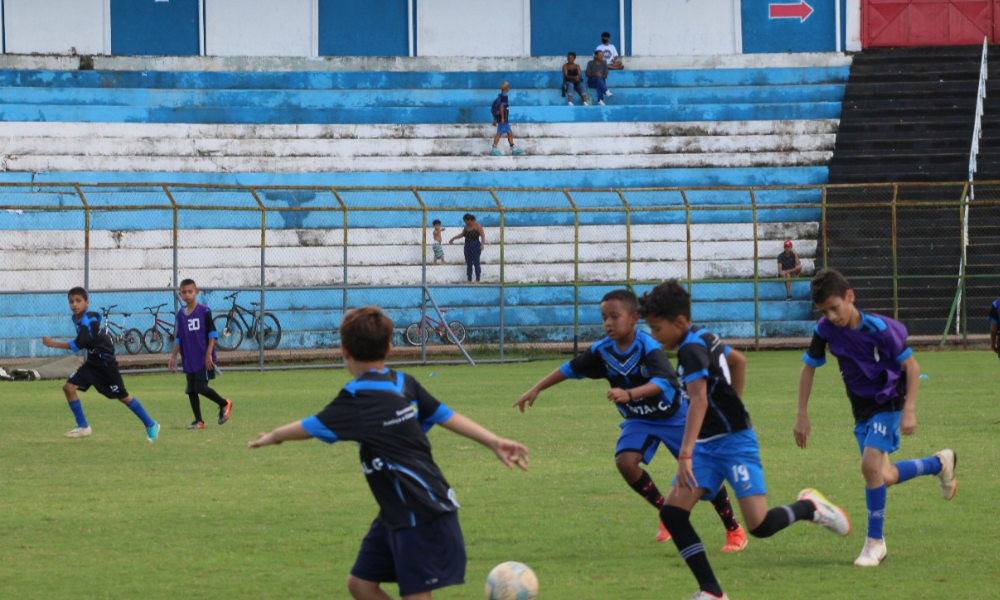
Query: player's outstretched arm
(291, 432)
(51, 343)
(531, 395)
(509, 452)
(908, 418)
(801, 430)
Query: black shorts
(194, 378)
(420, 559)
(105, 379)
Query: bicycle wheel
(153, 340)
(133, 341)
(230, 333)
(458, 329)
(269, 334)
(415, 334)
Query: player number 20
(741, 473)
(194, 324)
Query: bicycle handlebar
(107, 309)
(233, 295)
(152, 308)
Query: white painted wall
(57, 26)
(853, 24)
(261, 28)
(473, 28)
(686, 27)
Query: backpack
(496, 107)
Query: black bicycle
(120, 333)
(155, 336)
(264, 329)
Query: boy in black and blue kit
(99, 370)
(416, 540)
(719, 441)
(645, 391)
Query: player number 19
(741, 473)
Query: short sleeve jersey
(701, 355)
(786, 261)
(995, 312)
(191, 334)
(504, 107)
(388, 413)
(643, 362)
(90, 337)
(870, 359)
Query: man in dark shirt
(597, 75)
(788, 267)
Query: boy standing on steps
(194, 339)
(437, 248)
(100, 369)
(501, 118)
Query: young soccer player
(194, 340)
(994, 324)
(100, 369)
(719, 444)
(416, 540)
(645, 391)
(881, 377)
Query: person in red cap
(788, 267)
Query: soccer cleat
(608, 94)
(827, 514)
(600, 102)
(872, 554)
(152, 432)
(516, 152)
(224, 412)
(5, 375)
(949, 485)
(736, 540)
(197, 425)
(571, 103)
(703, 595)
(78, 432)
(496, 152)
(662, 535)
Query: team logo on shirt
(644, 371)
(403, 414)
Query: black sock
(213, 396)
(195, 406)
(678, 523)
(645, 487)
(782, 516)
(725, 510)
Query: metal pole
(263, 278)
(86, 238)
(170, 197)
(895, 256)
(756, 274)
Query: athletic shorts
(734, 458)
(420, 559)
(881, 432)
(645, 437)
(193, 379)
(503, 128)
(107, 380)
(438, 251)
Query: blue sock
(77, 408)
(140, 412)
(908, 469)
(875, 499)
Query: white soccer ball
(511, 581)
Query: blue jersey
(995, 312)
(191, 333)
(701, 355)
(90, 337)
(643, 362)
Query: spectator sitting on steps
(573, 79)
(788, 266)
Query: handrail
(977, 131)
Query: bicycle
(155, 336)
(417, 333)
(265, 329)
(120, 334)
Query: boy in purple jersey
(994, 324)
(881, 376)
(194, 339)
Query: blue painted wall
(817, 33)
(373, 28)
(147, 27)
(561, 26)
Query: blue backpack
(496, 107)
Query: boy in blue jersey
(502, 122)
(881, 376)
(194, 340)
(645, 391)
(719, 441)
(416, 540)
(99, 370)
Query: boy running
(645, 391)
(194, 339)
(719, 444)
(882, 378)
(100, 369)
(416, 540)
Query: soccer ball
(511, 581)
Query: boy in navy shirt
(881, 376)
(99, 370)
(645, 391)
(994, 324)
(416, 540)
(194, 339)
(719, 441)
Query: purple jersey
(192, 333)
(870, 359)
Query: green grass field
(198, 515)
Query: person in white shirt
(611, 56)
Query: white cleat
(827, 514)
(707, 596)
(949, 485)
(608, 93)
(872, 554)
(78, 432)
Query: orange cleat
(736, 540)
(664, 535)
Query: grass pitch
(198, 515)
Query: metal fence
(306, 255)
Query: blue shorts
(420, 559)
(503, 128)
(734, 458)
(880, 432)
(645, 437)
